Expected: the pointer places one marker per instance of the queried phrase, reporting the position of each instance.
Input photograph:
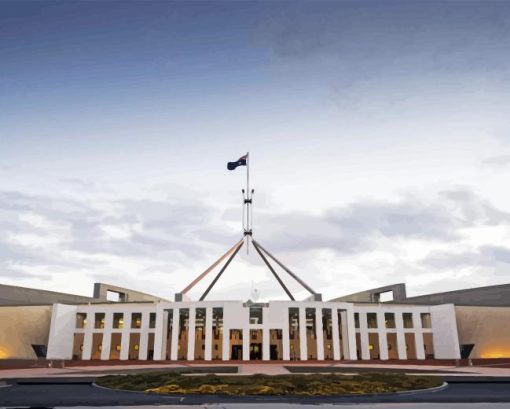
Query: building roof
(15, 295)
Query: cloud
(365, 34)
(358, 228)
(43, 236)
(78, 182)
(474, 210)
(497, 161)
(170, 241)
(483, 256)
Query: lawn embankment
(303, 385)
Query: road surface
(73, 392)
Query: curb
(415, 391)
(182, 397)
(95, 385)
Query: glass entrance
(255, 344)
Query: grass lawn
(305, 385)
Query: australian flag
(240, 162)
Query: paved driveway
(72, 392)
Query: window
(217, 323)
(118, 320)
(294, 333)
(356, 320)
(136, 320)
(408, 319)
(327, 324)
(152, 320)
(310, 323)
(327, 332)
(389, 320)
(385, 297)
(40, 350)
(372, 320)
(81, 320)
(112, 296)
(426, 321)
(115, 296)
(99, 320)
(255, 314)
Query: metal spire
(247, 206)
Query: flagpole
(248, 204)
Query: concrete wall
(494, 295)
(127, 295)
(14, 295)
(486, 327)
(374, 295)
(20, 327)
(63, 321)
(445, 337)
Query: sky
(378, 132)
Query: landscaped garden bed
(301, 385)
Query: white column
(124, 340)
(144, 336)
(165, 334)
(107, 336)
(191, 334)
(175, 334)
(303, 346)
(418, 342)
(159, 332)
(363, 327)
(286, 342)
(401, 339)
(418, 336)
(383, 341)
(87, 337)
(246, 344)
(208, 333)
(335, 334)
(319, 336)
(350, 334)
(226, 343)
(266, 342)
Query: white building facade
(233, 330)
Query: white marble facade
(327, 330)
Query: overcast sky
(379, 135)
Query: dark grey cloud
(484, 256)
(422, 35)
(156, 230)
(358, 227)
(473, 210)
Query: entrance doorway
(255, 345)
(255, 351)
(275, 346)
(236, 344)
(237, 352)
